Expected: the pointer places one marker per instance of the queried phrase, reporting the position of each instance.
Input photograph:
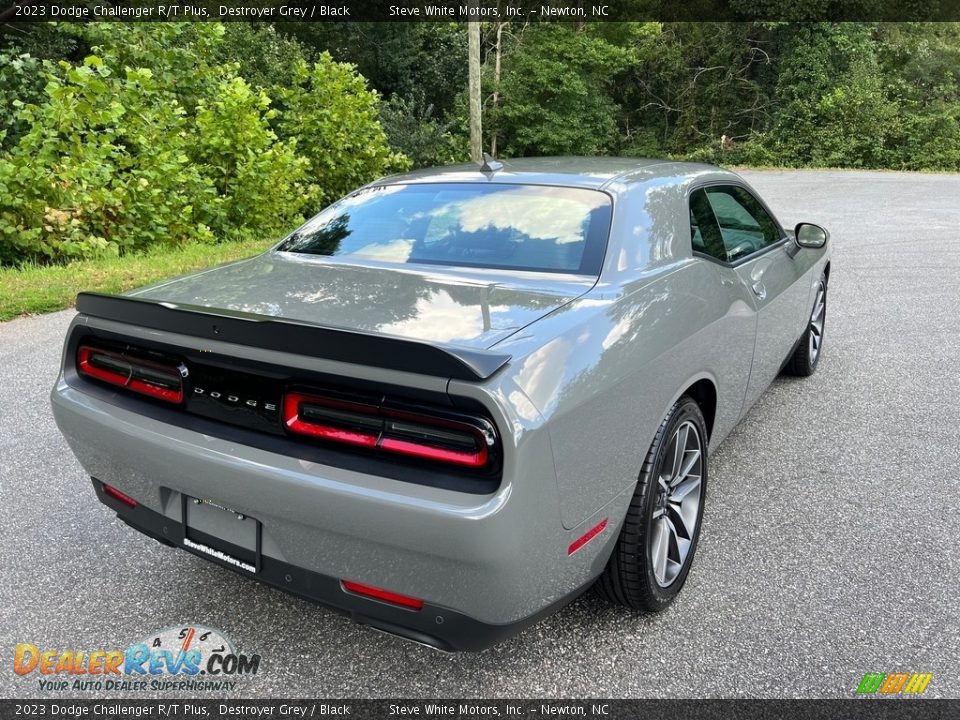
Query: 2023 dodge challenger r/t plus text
(456, 398)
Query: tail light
(132, 371)
(435, 435)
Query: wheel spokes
(678, 548)
(692, 458)
(681, 490)
(684, 516)
(659, 550)
(675, 514)
(679, 449)
(818, 306)
(816, 321)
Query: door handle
(759, 290)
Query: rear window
(514, 227)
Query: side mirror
(809, 235)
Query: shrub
(264, 58)
(21, 83)
(335, 118)
(932, 138)
(412, 128)
(258, 178)
(151, 141)
(102, 169)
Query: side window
(704, 232)
(744, 225)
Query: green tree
(103, 168)
(696, 83)
(21, 83)
(425, 60)
(265, 58)
(258, 178)
(555, 92)
(335, 118)
(413, 128)
(154, 140)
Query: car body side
(577, 406)
(604, 369)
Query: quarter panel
(618, 360)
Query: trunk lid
(467, 308)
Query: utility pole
(473, 50)
(496, 84)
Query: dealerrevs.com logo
(189, 658)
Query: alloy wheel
(677, 508)
(817, 319)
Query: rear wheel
(804, 360)
(656, 546)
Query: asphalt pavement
(830, 546)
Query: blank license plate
(221, 533)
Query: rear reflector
(587, 537)
(465, 441)
(121, 496)
(381, 594)
(139, 374)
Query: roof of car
(587, 172)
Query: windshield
(516, 227)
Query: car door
(754, 246)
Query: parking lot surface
(830, 545)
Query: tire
(631, 576)
(804, 361)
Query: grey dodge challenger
(456, 398)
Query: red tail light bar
(139, 374)
(381, 594)
(118, 495)
(378, 424)
(465, 441)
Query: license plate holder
(221, 533)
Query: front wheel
(655, 549)
(804, 360)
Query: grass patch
(45, 288)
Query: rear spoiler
(295, 336)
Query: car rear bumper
(432, 625)
(484, 565)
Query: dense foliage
(149, 134)
(117, 137)
(810, 94)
